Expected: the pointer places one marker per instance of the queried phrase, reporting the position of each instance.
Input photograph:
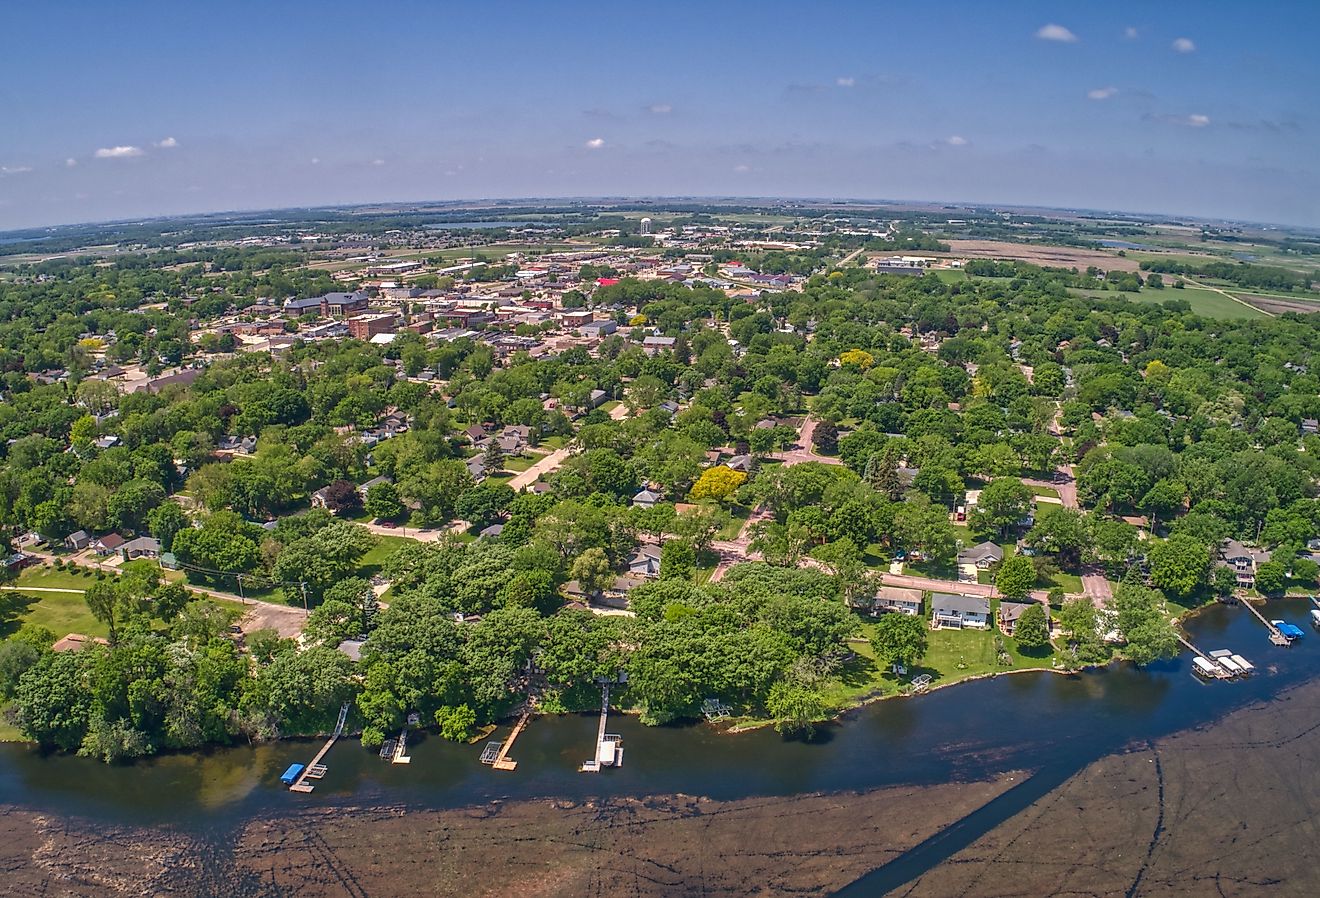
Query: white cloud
(1195, 120)
(1052, 32)
(15, 169)
(377, 161)
(70, 162)
(595, 143)
(742, 167)
(168, 143)
(660, 109)
(316, 160)
(117, 152)
(956, 141)
(1131, 33)
(1184, 45)
(1102, 93)
(845, 82)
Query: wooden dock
(1276, 636)
(315, 769)
(502, 761)
(600, 757)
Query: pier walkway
(1276, 635)
(315, 770)
(499, 759)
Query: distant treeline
(1242, 274)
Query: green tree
(797, 708)
(1016, 577)
(1140, 617)
(1180, 565)
(383, 502)
(1032, 630)
(1270, 577)
(1003, 503)
(900, 639)
(593, 572)
(677, 559)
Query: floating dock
(315, 769)
(1203, 664)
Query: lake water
(969, 731)
(1123, 244)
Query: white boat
(1230, 665)
(1315, 616)
(1205, 668)
(1247, 666)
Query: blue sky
(114, 110)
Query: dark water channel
(1044, 722)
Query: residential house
(897, 599)
(1242, 560)
(645, 499)
(78, 540)
(108, 544)
(476, 466)
(982, 556)
(491, 532)
(742, 463)
(958, 612)
(1310, 425)
(653, 344)
(75, 642)
(140, 547)
(319, 497)
(375, 481)
(645, 562)
(1009, 612)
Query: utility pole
(303, 584)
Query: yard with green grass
(952, 655)
(374, 560)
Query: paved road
(1094, 583)
(804, 450)
(545, 466)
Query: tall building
(646, 226)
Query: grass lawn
(1049, 491)
(1203, 302)
(951, 655)
(553, 443)
(520, 464)
(42, 575)
(737, 517)
(949, 275)
(62, 612)
(386, 546)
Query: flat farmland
(1209, 303)
(1041, 254)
